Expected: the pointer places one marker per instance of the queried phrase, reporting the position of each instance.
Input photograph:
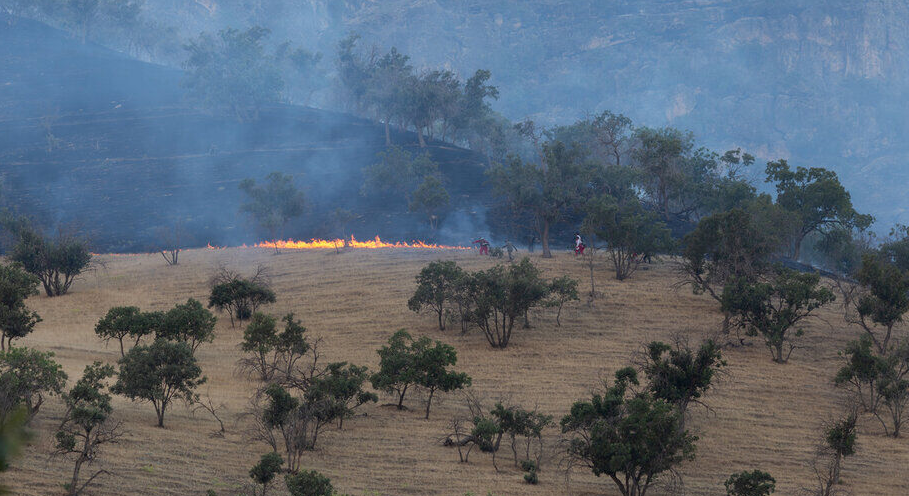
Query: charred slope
(94, 140)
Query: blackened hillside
(93, 140)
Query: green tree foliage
(500, 295)
(406, 363)
(562, 290)
(607, 137)
(341, 384)
(731, 245)
(816, 198)
(679, 375)
(87, 424)
(546, 192)
(631, 232)
(879, 381)
(188, 323)
(430, 199)
(299, 420)
(883, 299)
(16, 320)
(127, 322)
(159, 373)
(309, 483)
(523, 427)
(774, 309)
(263, 473)
(232, 70)
(241, 297)
(386, 89)
(753, 483)
(273, 353)
(839, 443)
(399, 174)
(896, 249)
(56, 262)
(632, 438)
(674, 175)
(437, 284)
(274, 204)
(26, 377)
(432, 100)
(13, 437)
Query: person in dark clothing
(510, 249)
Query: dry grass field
(761, 414)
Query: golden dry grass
(762, 415)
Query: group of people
(483, 246)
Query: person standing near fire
(578, 244)
(484, 246)
(510, 249)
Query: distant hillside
(823, 83)
(94, 140)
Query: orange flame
(352, 243)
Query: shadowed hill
(94, 140)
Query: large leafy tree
(816, 198)
(273, 204)
(630, 437)
(544, 193)
(231, 70)
(774, 309)
(159, 373)
(16, 320)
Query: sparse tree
(241, 297)
(273, 205)
(159, 373)
(863, 369)
(26, 377)
(632, 438)
(882, 300)
(839, 443)
(16, 320)
(562, 290)
(87, 424)
(436, 286)
(775, 309)
(273, 353)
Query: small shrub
(309, 483)
(263, 473)
(238, 296)
(754, 483)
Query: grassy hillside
(761, 414)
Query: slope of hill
(94, 140)
(761, 415)
(820, 83)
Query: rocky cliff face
(821, 82)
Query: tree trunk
(441, 323)
(429, 401)
(545, 240)
(420, 137)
